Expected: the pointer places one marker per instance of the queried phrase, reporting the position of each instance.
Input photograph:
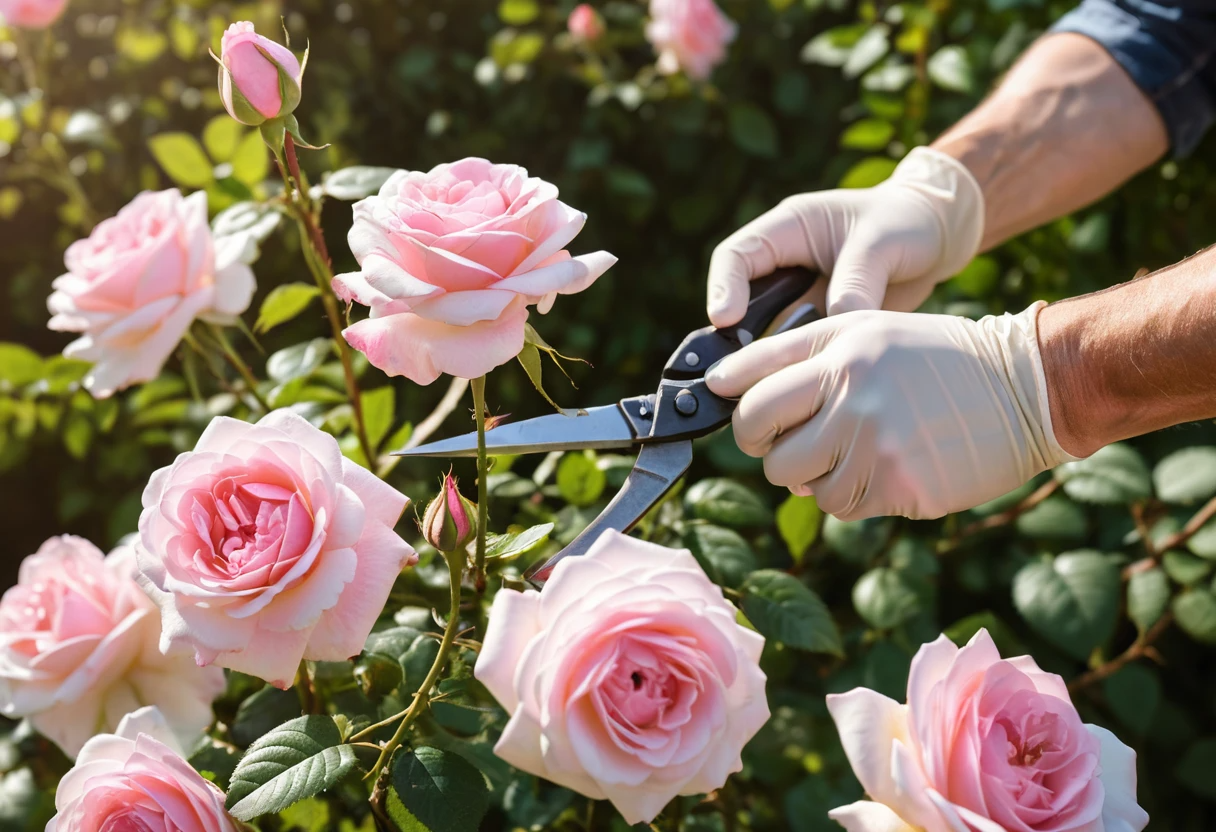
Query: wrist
(1079, 400)
(955, 197)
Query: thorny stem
(422, 695)
(1141, 647)
(483, 470)
(239, 365)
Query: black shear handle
(770, 296)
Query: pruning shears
(660, 426)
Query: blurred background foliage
(1104, 560)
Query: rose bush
(689, 35)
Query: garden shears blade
(659, 426)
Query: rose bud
(259, 79)
(450, 521)
(585, 23)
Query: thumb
(736, 374)
(859, 280)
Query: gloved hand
(881, 413)
(884, 247)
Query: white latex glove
(884, 247)
(881, 413)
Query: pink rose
(78, 648)
(984, 744)
(31, 14)
(628, 678)
(259, 79)
(691, 35)
(585, 23)
(137, 282)
(264, 546)
(450, 261)
(137, 780)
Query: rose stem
(239, 364)
(316, 255)
(483, 470)
(422, 695)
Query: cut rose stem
(483, 470)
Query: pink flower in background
(78, 648)
(31, 14)
(259, 78)
(264, 546)
(450, 261)
(135, 285)
(689, 35)
(585, 23)
(984, 744)
(137, 780)
(627, 678)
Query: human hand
(884, 247)
(881, 413)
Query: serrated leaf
(724, 555)
(1114, 475)
(785, 610)
(727, 503)
(182, 159)
(379, 410)
(221, 137)
(1186, 476)
(436, 791)
(251, 160)
(261, 712)
(509, 546)
(284, 303)
(298, 759)
(798, 521)
(579, 480)
(1071, 600)
(1148, 596)
(885, 598)
(356, 182)
(298, 360)
(1195, 611)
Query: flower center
(638, 679)
(1031, 738)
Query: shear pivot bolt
(692, 359)
(686, 403)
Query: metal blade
(657, 468)
(602, 428)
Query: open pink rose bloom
(627, 678)
(689, 35)
(265, 546)
(984, 744)
(31, 14)
(449, 262)
(78, 649)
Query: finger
(776, 405)
(772, 240)
(804, 455)
(859, 279)
(734, 375)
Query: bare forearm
(1065, 127)
(1134, 358)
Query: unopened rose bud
(585, 23)
(450, 521)
(259, 79)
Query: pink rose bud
(31, 14)
(984, 743)
(259, 79)
(689, 35)
(585, 23)
(450, 521)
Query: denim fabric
(1169, 50)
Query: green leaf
(1133, 694)
(298, 360)
(298, 759)
(868, 172)
(261, 712)
(1114, 475)
(1187, 476)
(182, 158)
(141, 45)
(1003, 636)
(798, 521)
(978, 278)
(950, 68)
(785, 610)
(518, 12)
(505, 547)
(1185, 568)
(579, 480)
(868, 134)
(255, 220)
(1195, 611)
(833, 47)
(727, 503)
(309, 815)
(379, 409)
(1203, 541)
(724, 555)
(1148, 596)
(436, 791)
(1056, 518)
(1072, 600)
(752, 130)
(219, 758)
(19, 365)
(1197, 768)
(356, 182)
(251, 160)
(869, 50)
(885, 598)
(284, 303)
(221, 137)
(857, 541)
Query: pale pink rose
(137, 780)
(264, 546)
(585, 23)
(450, 261)
(78, 648)
(31, 14)
(689, 35)
(984, 744)
(627, 678)
(259, 79)
(135, 285)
